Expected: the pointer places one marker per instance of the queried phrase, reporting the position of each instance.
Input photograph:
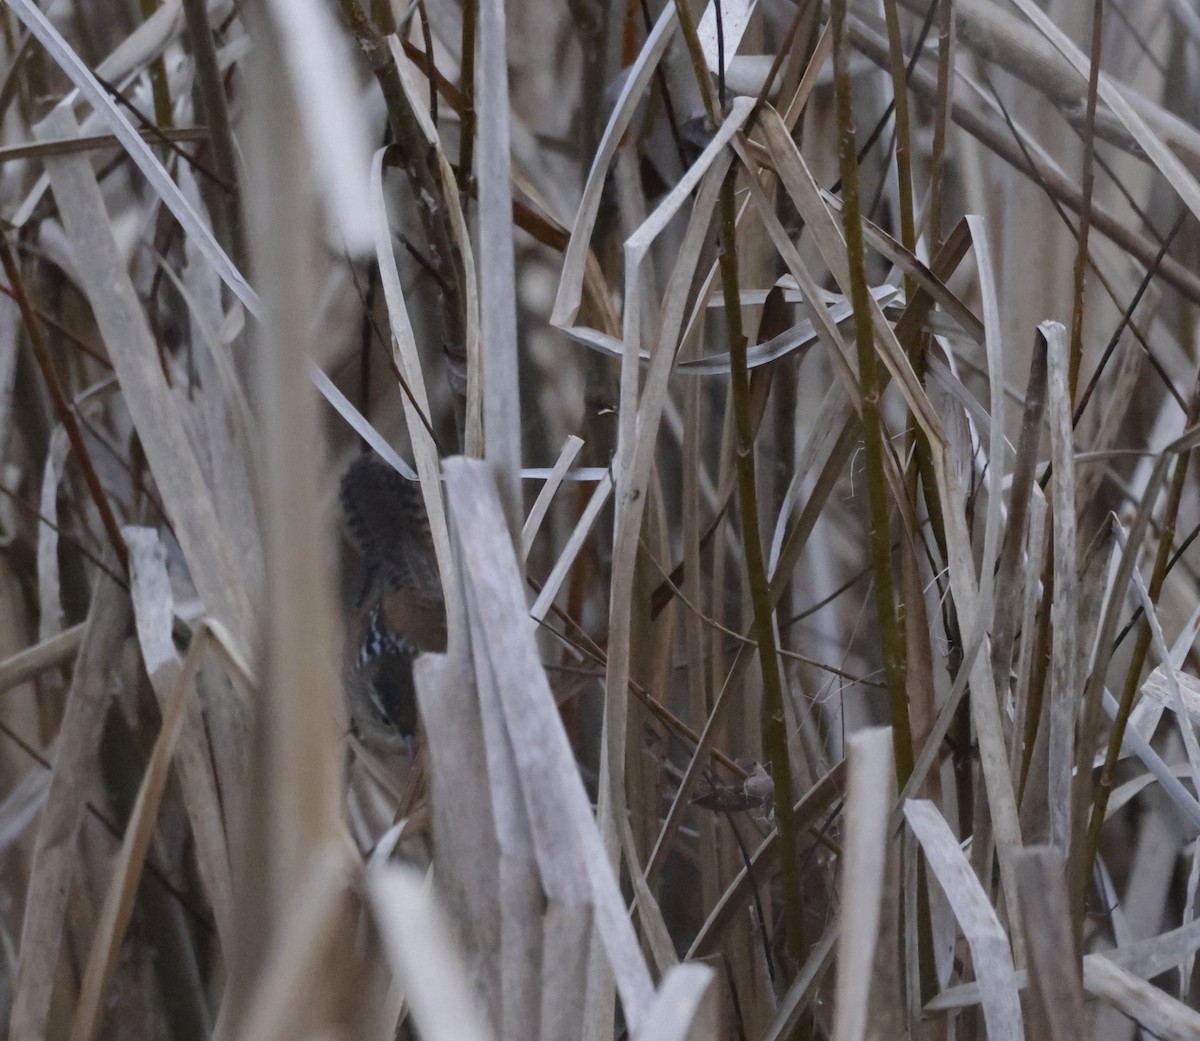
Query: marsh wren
(396, 610)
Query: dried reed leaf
(428, 970)
(1148, 139)
(295, 974)
(654, 929)
(986, 936)
(1108, 429)
(457, 226)
(149, 602)
(299, 738)
(1012, 587)
(735, 19)
(1064, 609)
(1050, 944)
(568, 942)
(316, 59)
(1142, 1002)
(62, 124)
(829, 422)
(467, 849)
(1093, 591)
(22, 805)
(131, 346)
(865, 847)
(685, 1007)
(408, 361)
(1158, 688)
(570, 287)
(50, 617)
(997, 458)
(1183, 721)
(570, 857)
(55, 853)
(537, 513)
(1144, 958)
(1141, 747)
(639, 415)
(153, 612)
(132, 54)
(497, 278)
(356, 420)
(570, 551)
(800, 993)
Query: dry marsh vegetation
(803, 399)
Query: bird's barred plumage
(396, 607)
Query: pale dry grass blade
(1158, 688)
(1035, 544)
(468, 849)
(497, 278)
(303, 746)
(1053, 966)
(41, 657)
(132, 54)
(49, 575)
(316, 59)
(1143, 958)
(735, 19)
(793, 1004)
(997, 455)
(1150, 142)
(118, 900)
(572, 865)
(685, 1007)
(357, 422)
(294, 906)
(1183, 721)
(55, 849)
(1108, 431)
(297, 970)
(63, 125)
(986, 936)
(408, 361)
(430, 973)
(1141, 747)
(570, 289)
(456, 223)
(569, 947)
(125, 330)
(537, 513)
(1064, 611)
(153, 612)
(22, 805)
(640, 413)
(864, 869)
(834, 414)
(1142, 1002)
(1012, 591)
(583, 528)
(1093, 590)
(654, 929)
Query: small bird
(758, 789)
(396, 610)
